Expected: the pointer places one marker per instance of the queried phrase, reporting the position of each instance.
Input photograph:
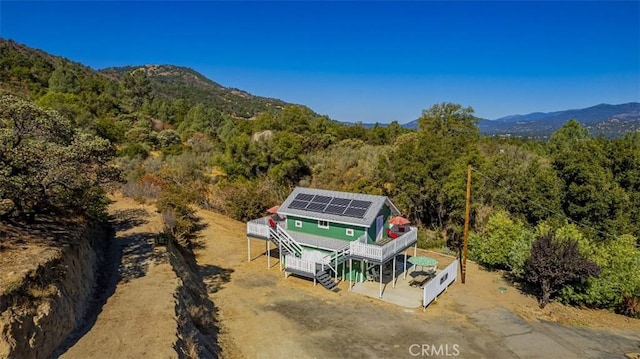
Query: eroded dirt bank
(81, 298)
(39, 310)
(156, 306)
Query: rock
(262, 136)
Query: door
(379, 227)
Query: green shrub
(505, 244)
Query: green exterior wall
(338, 230)
(371, 233)
(355, 273)
(335, 230)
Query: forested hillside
(169, 83)
(182, 139)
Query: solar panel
(340, 201)
(360, 204)
(316, 207)
(304, 197)
(333, 209)
(330, 205)
(355, 212)
(298, 204)
(322, 199)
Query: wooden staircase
(326, 280)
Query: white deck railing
(438, 284)
(315, 256)
(381, 253)
(259, 227)
(299, 264)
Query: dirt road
(138, 318)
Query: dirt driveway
(264, 315)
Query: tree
(555, 263)
(46, 166)
(424, 173)
(522, 182)
(591, 195)
(624, 154)
(567, 136)
(63, 80)
(136, 88)
(448, 118)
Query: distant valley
(609, 120)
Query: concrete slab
(403, 294)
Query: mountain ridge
(27, 71)
(606, 119)
(167, 80)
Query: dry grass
(43, 292)
(191, 347)
(201, 318)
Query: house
(330, 235)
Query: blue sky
(362, 61)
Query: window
(323, 224)
(298, 224)
(349, 232)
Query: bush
(167, 138)
(619, 280)
(554, 263)
(180, 221)
(135, 150)
(505, 244)
(246, 200)
(630, 307)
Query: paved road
(551, 340)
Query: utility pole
(466, 225)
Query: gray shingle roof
(369, 217)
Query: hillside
(27, 71)
(33, 73)
(171, 82)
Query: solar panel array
(330, 205)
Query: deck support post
(405, 263)
(350, 272)
(336, 266)
(364, 268)
(394, 271)
(248, 249)
(415, 249)
(268, 254)
(280, 255)
(380, 296)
